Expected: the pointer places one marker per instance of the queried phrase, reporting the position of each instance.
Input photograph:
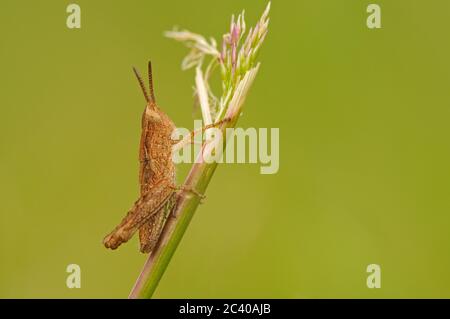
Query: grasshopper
(158, 190)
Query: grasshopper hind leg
(149, 204)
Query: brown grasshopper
(158, 191)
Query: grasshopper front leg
(189, 138)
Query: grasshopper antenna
(141, 83)
(150, 82)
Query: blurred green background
(364, 150)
